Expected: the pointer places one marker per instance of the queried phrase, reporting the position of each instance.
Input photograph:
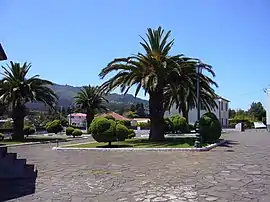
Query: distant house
(77, 119)
(135, 121)
(2, 53)
(114, 115)
(222, 112)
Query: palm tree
(151, 71)
(17, 90)
(90, 100)
(186, 97)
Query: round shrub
(110, 117)
(76, 133)
(126, 123)
(69, 130)
(121, 132)
(28, 130)
(131, 133)
(168, 126)
(1, 137)
(54, 127)
(180, 124)
(103, 130)
(210, 128)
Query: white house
(222, 112)
(267, 91)
(77, 119)
(135, 121)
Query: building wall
(80, 121)
(268, 109)
(222, 113)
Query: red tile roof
(114, 115)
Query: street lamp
(219, 110)
(199, 68)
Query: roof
(114, 115)
(2, 53)
(78, 114)
(219, 97)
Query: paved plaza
(239, 171)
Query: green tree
(257, 110)
(153, 71)
(17, 89)
(232, 113)
(90, 100)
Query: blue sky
(69, 42)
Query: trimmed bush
(107, 130)
(131, 133)
(121, 132)
(126, 123)
(179, 123)
(168, 126)
(210, 128)
(54, 127)
(28, 130)
(2, 137)
(110, 117)
(76, 133)
(69, 130)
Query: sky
(69, 42)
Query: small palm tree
(17, 90)
(90, 100)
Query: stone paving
(239, 171)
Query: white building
(267, 91)
(222, 112)
(77, 119)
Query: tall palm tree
(17, 90)
(152, 71)
(90, 100)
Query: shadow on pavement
(229, 144)
(15, 188)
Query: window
(221, 105)
(221, 122)
(226, 106)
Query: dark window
(221, 105)
(226, 106)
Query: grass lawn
(34, 138)
(183, 142)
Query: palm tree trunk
(89, 118)
(185, 112)
(18, 123)
(156, 111)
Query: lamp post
(199, 68)
(219, 110)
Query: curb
(43, 142)
(207, 148)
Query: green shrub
(121, 132)
(7, 125)
(179, 123)
(110, 117)
(144, 126)
(126, 123)
(64, 122)
(76, 133)
(2, 137)
(210, 128)
(69, 130)
(107, 130)
(131, 133)
(54, 127)
(168, 126)
(28, 130)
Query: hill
(66, 95)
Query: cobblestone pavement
(238, 172)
